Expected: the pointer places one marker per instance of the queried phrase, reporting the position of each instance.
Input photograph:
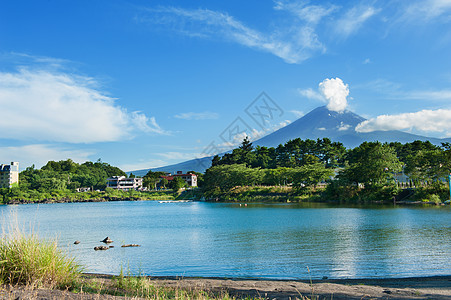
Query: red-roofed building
(190, 179)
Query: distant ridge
(319, 123)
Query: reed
(27, 260)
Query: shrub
(434, 198)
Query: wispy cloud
(429, 10)
(311, 94)
(297, 30)
(312, 14)
(146, 124)
(440, 95)
(353, 19)
(293, 45)
(437, 121)
(50, 105)
(395, 91)
(207, 115)
(343, 127)
(40, 154)
(297, 113)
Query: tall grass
(27, 260)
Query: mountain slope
(319, 123)
(339, 127)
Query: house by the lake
(125, 184)
(190, 179)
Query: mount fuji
(319, 123)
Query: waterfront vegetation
(21, 196)
(322, 170)
(297, 171)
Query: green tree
(371, 163)
(164, 182)
(310, 175)
(278, 176)
(177, 183)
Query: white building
(190, 179)
(9, 175)
(125, 184)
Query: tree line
(364, 171)
(59, 178)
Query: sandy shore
(406, 288)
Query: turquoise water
(285, 241)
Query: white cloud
(353, 19)
(197, 116)
(293, 45)
(311, 94)
(438, 121)
(297, 113)
(429, 10)
(367, 61)
(40, 154)
(335, 92)
(145, 124)
(47, 105)
(343, 127)
(309, 13)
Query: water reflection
(258, 240)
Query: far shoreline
(334, 203)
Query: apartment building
(124, 183)
(9, 174)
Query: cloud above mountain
(335, 91)
(438, 121)
(332, 91)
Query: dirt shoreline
(437, 287)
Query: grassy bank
(142, 287)
(61, 196)
(28, 263)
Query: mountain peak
(319, 123)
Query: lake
(276, 241)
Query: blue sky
(144, 84)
